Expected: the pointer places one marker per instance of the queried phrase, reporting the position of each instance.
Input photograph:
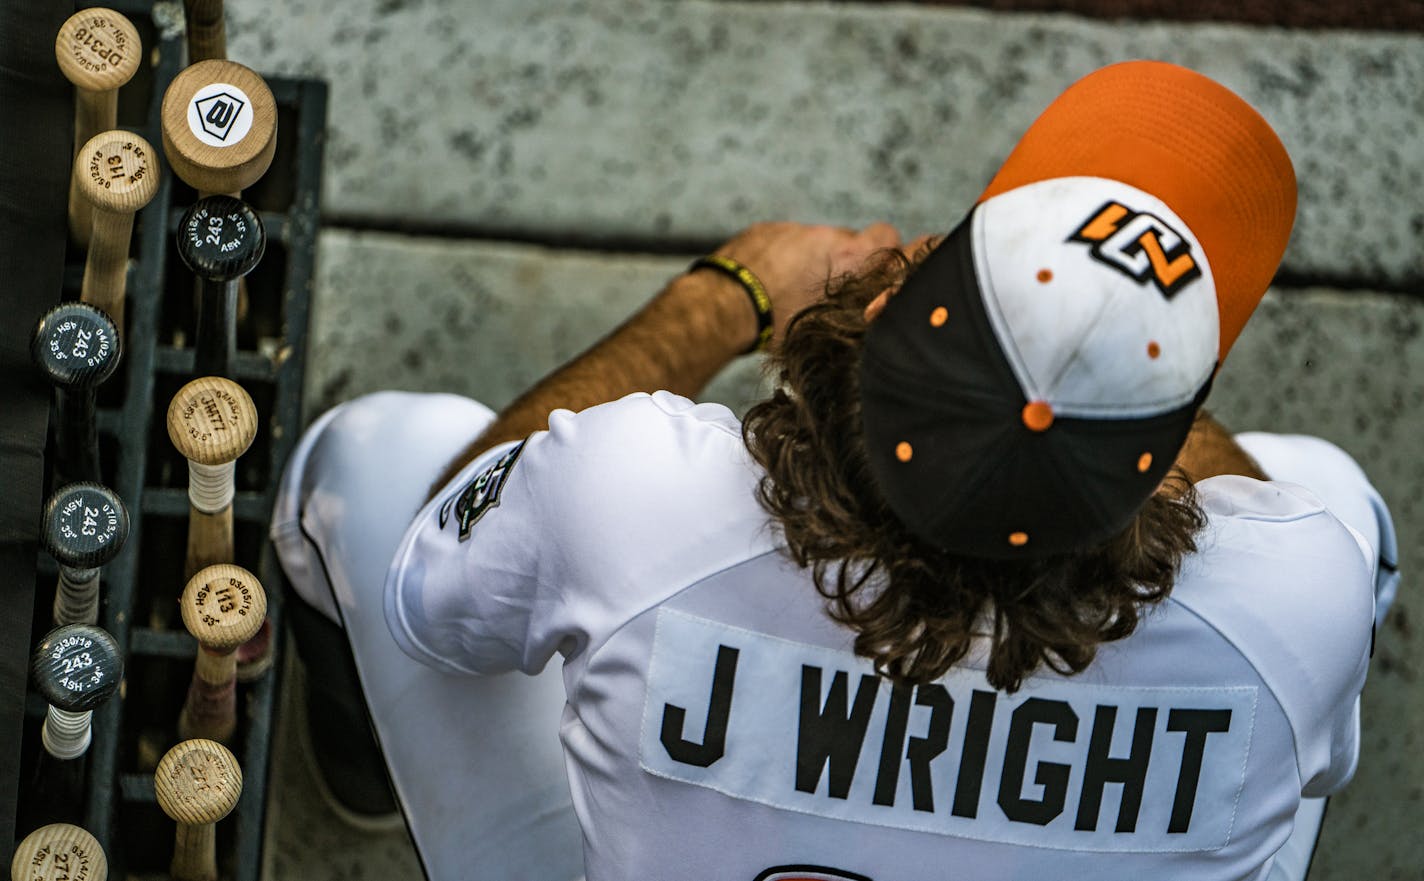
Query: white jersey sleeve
(550, 545)
(1308, 635)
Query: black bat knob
(77, 667)
(76, 345)
(220, 238)
(85, 525)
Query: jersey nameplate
(1060, 764)
(480, 494)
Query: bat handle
(209, 539)
(106, 268)
(216, 340)
(210, 710)
(76, 598)
(94, 112)
(66, 734)
(194, 853)
(76, 440)
(207, 34)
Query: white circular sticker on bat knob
(220, 115)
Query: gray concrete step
(682, 122)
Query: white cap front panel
(1101, 298)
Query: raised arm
(692, 328)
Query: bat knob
(117, 171)
(85, 525)
(197, 782)
(98, 49)
(220, 238)
(212, 420)
(223, 606)
(59, 851)
(77, 667)
(76, 345)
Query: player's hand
(794, 260)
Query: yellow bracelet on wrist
(756, 291)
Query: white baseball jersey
(719, 726)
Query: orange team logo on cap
(1141, 246)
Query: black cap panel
(950, 445)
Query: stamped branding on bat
(220, 115)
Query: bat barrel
(197, 782)
(223, 606)
(76, 667)
(98, 50)
(59, 852)
(221, 239)
(117, 172)
(84, 526)
(77, 348)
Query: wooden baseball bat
(197, 783)
(59, 852)
(211, 421)
(207, 33)
(223, 607)
(98, 50)
(117, 173)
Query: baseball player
(978, 592)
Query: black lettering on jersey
(480, 494)
(1102, 769)
(719, 711)
(920, 751)
(1052, 776)
(971, 757)
(1197, 724)
(808, 873)
(830, 736)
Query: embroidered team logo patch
(1141, 246)
(480, 494)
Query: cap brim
(1192, 143)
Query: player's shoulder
(628, 420)
(639, 436)
(1279, 532)
(1284, 581)
(1237, 497)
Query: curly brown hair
(916, 609)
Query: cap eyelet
(1037, 416)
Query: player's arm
(692, 329)
(1211, 450)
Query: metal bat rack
(141, 586)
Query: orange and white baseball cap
(1033, 380)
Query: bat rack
(141, 586)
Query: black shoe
(334, 727)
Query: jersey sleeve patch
(480, 494)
